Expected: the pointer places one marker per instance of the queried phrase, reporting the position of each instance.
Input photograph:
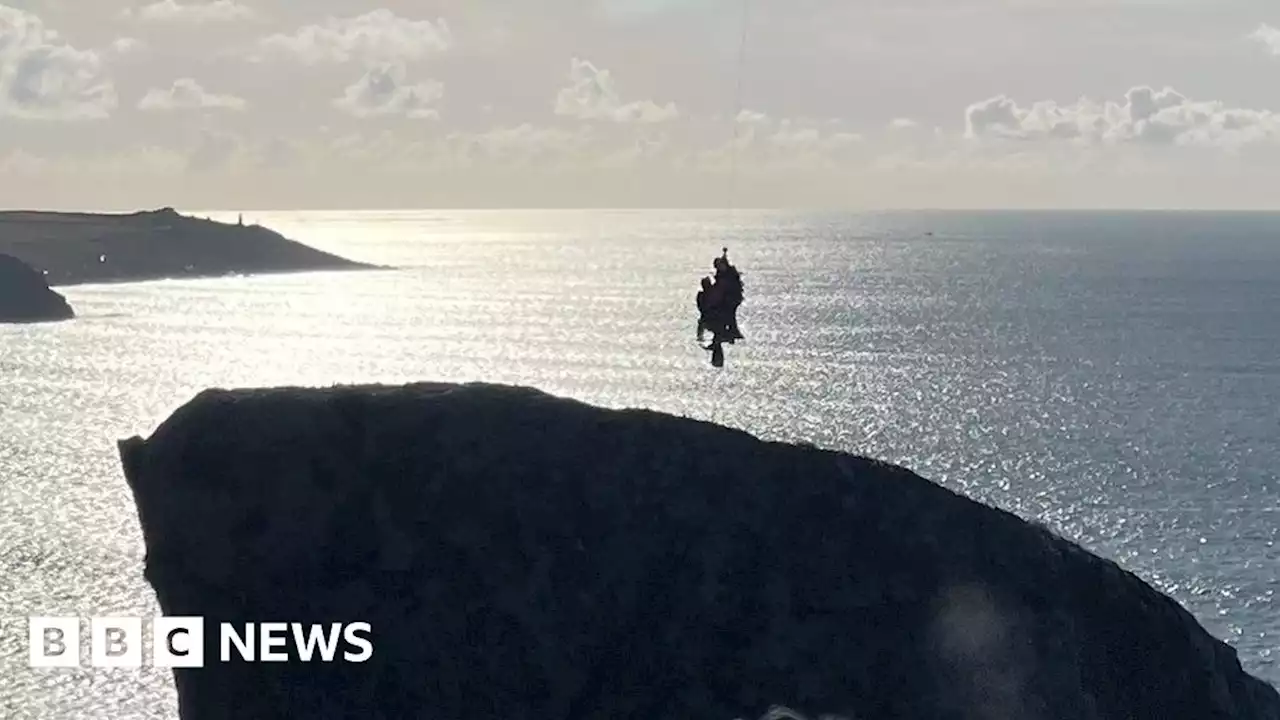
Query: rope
(737, 108)
(733, 167)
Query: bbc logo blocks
(54, 642)
(116, 642)
(179, 642)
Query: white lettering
(178, 642)
(243, 643)
(272, 637)
(352, 638)
(328, 643)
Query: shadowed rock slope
(75, 248)
(25, 297)
(522, 556)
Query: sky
(336, 104)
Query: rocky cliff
(74, 248)
(25, 296)
(524, 556)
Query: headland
(25, 297)
(80, 248)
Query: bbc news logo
(178, 642)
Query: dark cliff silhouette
(521, 556)
(74, 248)
(25, 297)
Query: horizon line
(628, 209)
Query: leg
(717, 354)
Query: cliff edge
(520, 555)
(25, 297)
(75, 248)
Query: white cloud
(496, 150)
(644, 150)
(1268, 36)
(383, 91)
(795, 146)
(1148, 116)
(766, 146)
(42, 77)
(793, 136)
(763, 145)
(387, 65)
(125, 45)
(377, 36)
(591, 95)
(187, 94)
(212, 151)
(173, 11)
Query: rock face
(521, 556)
(92, 248)
(25, 297)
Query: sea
(1113, 375)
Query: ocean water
(1116, 376)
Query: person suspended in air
(712, 308)
(706, 301)
(729, 282)
(718, 303)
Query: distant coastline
(72, 248)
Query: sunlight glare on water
(1113, 376)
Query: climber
(729, 282)
(717, 304)
(708, 301)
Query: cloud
(495, 151)
(187, 94)
(1147, 117)
(215, 151)
(795, 137)
(699, 146)
(383, 91)
(633, 9)
(763, 144)
(138, 160)
(1268, 36)
(524, 145)
(42, 77)
(125, 45)
(379, 36)
(173, 11)
(647, 150)
(591, 95)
